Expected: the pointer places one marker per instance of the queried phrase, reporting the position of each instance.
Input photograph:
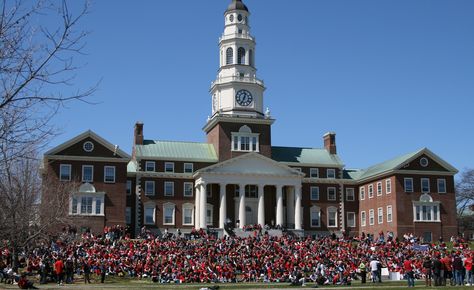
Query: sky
(389, 77)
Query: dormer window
(245, 140)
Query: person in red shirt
(59, 269)
(408, 267)
(468, 266)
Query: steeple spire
(237, 5)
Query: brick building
(238, 177)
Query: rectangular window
(236, 143)
(371, 217)
(109, 174)
(380, 215)
(331, 193)
(129, 187)
(388, 186)
(209, 216)
(244, 143)
(128, 215)
(74, 205)
(351, 219)
(408, 184)
(188, 216)
(150, 166)
(168, 215)
(169, 167)
(188, 189)
(188, 168)
(149, 215)
(149, 187)
(169, 188)
(65, 172)
(362, 192)
(435, 213)
(350, 196)
(379, 188)
(389, 214)
(98, 206)
(441, 185)
(426, 213)
(425, 185)
(254, 144)
(314, 192)
(332, 217)
(371, 191)
(86, 205)
(314, 172)
(87, 173)
(362, 218)
(331, 173)
(315, 218)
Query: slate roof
(305, 156)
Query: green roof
(175, 150)
(388, 165)
(305, 156)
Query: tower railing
(243, 79)
(236, 35)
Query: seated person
(23, 283)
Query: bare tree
(465, 191)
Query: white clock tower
(237, 92)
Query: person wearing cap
(408, 267)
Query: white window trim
(311, 193)
(191, 207)
(389, 210)
(355, 219)
(129, 182)
(349, 189)
(153, 163)
(192, 167)
(172, 165)
(371, 191)
(443, 180)
(379, 189)
(172, 188)
(239, 136)
(362, 193)
(363, 218)
(94, 196)
(105, 174)
(380, 215)
(431, 205)
(330, 170)
(315, 210)
(421, 185)
(405, 184)
(61, 166)
(335, 193)
(312, 170)
(154, 190)
(371, 217)
(184, 189)
(92, 173)
(210, 207)
(332, 209)
(388, 186)
(148, 206)
(165, 206)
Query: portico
(248, 179)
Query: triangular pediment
(252, 164)
(431, 162)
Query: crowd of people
(203, 258)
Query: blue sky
(389, 77)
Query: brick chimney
(330, 142)
(138, 134)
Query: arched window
(229, 56)
(251, 57)
(241, 55)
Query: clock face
(243, 98)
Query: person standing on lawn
(59, 270)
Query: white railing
(236, 35)
(251, 80)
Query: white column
(261, 205)
(203, 203)
(279, 209)
(222, 205)
(298, 208)
(290, 206)
(242, 205)
(197, 206)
